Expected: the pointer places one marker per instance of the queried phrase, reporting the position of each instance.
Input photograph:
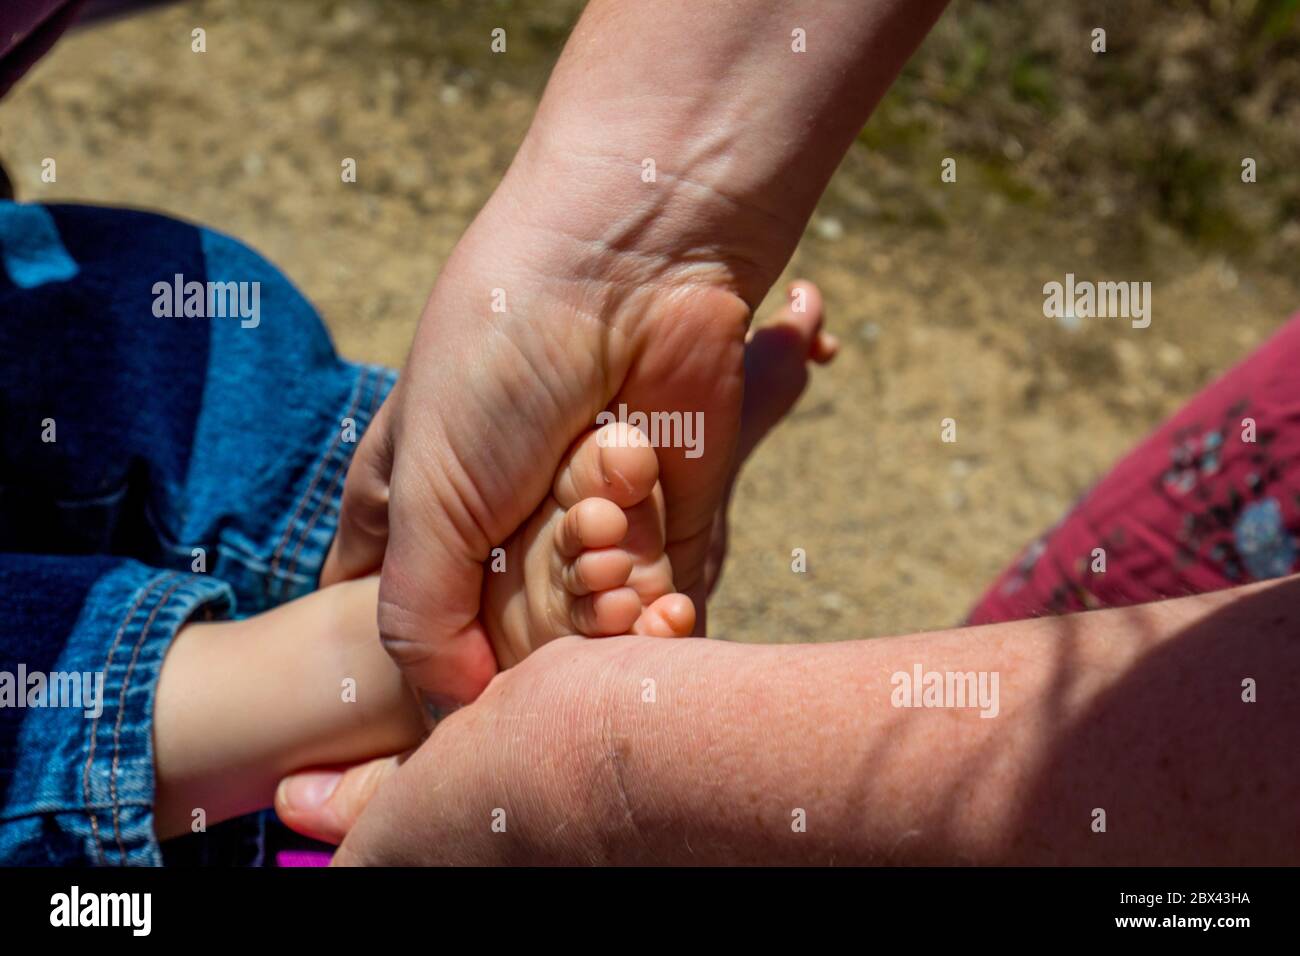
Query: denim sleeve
(155, 464)
(84, 642)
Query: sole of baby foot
(591, 560)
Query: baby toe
(601, 570)
(651, 579)
(590, 524)
(672, 615)
(614, 462)
(606, 613)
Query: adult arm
(586, 283)
(1138, 712)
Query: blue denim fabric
(170, 435)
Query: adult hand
(522, 775)
(467, 446)
(668, 175)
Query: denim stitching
(94, 724)
(121, 713)
(339, 471)
(273, 572)
(254, 563)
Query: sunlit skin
(240, 704)
(617, 290)
(1137, 711)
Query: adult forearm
(744, 108)
(798, 753)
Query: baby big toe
(614, 462)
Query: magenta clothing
(28, 28)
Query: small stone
(833, 601)
(1227, 276)
(828, 228)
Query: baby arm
(241, 704)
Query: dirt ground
(935, 289)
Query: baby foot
(778, 356)
(591, 559)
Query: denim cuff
(84, 788)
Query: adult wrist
(645, 213)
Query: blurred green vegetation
(1156, 127)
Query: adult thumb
(362, 534)
(324, 803)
